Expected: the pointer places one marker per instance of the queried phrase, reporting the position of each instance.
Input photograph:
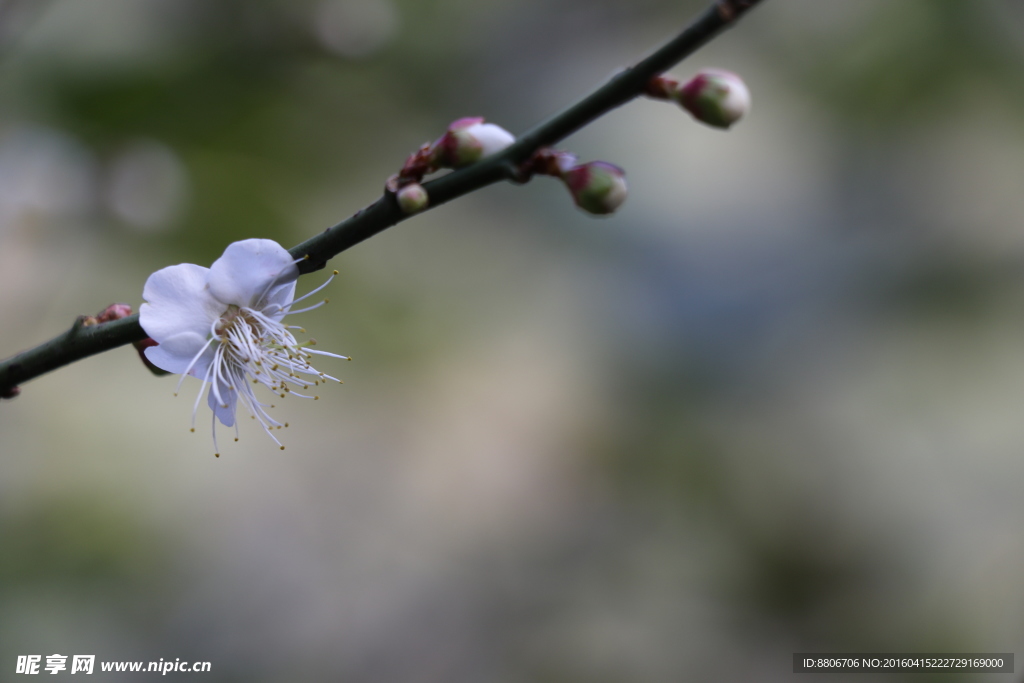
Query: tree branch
(80, 342)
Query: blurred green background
(772, 405)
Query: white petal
(493, 138)
(279, 296)
(176, 353)
(225, 415)
(178, 301)
(249, 269)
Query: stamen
(312, 292)
(254, 344)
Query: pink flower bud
(412, 198)
(717, 98)
(597, 187)
(469, 140)
(113, 312)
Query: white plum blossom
(223, 324)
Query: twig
(80, 342)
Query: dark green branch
(77, 343)
(384, 213)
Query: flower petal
(176, 353)
(248, 271)
(226, 415)
(178, 301)
(277, 298)
(492, 137)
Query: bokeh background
(774, 404)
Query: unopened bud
(717, 98)
(141, 347)
(597, 187)
(412, 198)
(113, 312)
(469, 140)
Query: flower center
(229, 319)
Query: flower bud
(141, 347)
(717, 98)
(597, 187)
(469, 140)
(412, 198)
(113, 312)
